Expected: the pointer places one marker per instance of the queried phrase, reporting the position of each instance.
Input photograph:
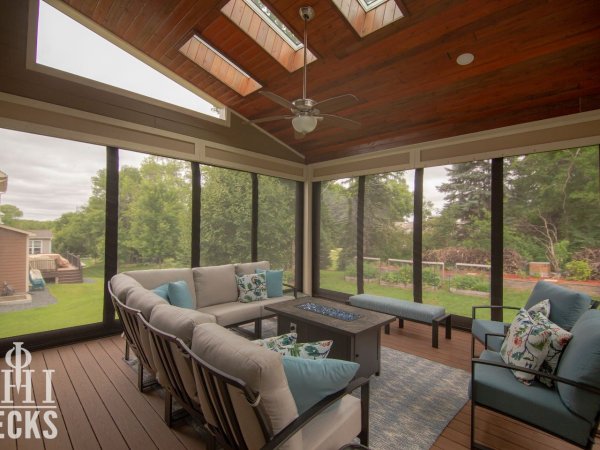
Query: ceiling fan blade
(270, 118)
(342, 122)
(299, 135)
(336, 103)
(277, 99)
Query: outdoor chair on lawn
(134, 340)
(37, 280)
(566, 306)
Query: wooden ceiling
(533, 60)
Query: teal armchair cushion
(497, 388)
(581, 362)
(566, 306)
(481, 327)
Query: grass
(454, 303)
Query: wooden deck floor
(99, 405)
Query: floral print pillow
(558, 341)
(308, 350)
(542, 307)
(277, 341)
(251, 287)
(526, 344)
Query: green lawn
(454, 303)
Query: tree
(9, 214)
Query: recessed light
(465, 58)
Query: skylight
(367, 16)
(368, 5)
(275, 23)
(67, 45)
(215, 63)
(263, 26)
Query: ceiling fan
(307, 113)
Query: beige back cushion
(121, 284)
(151, 279)
(260, 369)
(214, 285)
(179, 322)
(248, 268)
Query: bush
(431, 278)
(370, 271)
(592, 257)
(578, 270)
(402, 275)
(471, 283)
(334, 258)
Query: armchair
(566, 306)
(247, 403)
(570, 411)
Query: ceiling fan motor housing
(307, 13)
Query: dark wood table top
(367, 319)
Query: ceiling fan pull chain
(305, 64)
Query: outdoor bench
(406, 310)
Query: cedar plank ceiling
(533, 60)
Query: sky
(48, 176)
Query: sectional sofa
(213, 288)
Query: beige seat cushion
(248, 268)
(259, 368)
(215, 285)
(271, 301)
(334, 427)
(121, 284)
(233, 312)
(151, 279)
(144, 300)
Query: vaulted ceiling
(533, 60)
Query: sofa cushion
(271, 301)
(496, 387)
(214, 285)
(311, 380)
(259, 368)
(162, 291)
(144, 300)
(179, 322)
(481, 327)
(121, 284)
(233, 312)
(153, 278)
(566, 306)
(334, 427)
(274, 282)
(251, 287)
(526, 344)
(248, 268)
(581, 362)
(179, 295)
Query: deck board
(99, 405)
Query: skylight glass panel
(272, 20)
(368, 5)
(67, 45)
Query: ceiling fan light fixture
(304, 124)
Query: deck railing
(74, 260)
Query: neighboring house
(14, 260)
(40, 242)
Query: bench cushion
(403, 308)
(497, 388)
(481, 327)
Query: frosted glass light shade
(304, 124)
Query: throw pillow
(274, 282)
(542, 307)
(273, 342)
(162, 291)
(251, 287)
(312, 380)
(308, 350)
(525, 345)
(179, 295)
(558, 341)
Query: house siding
(13, 260)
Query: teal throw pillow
(162, 291)
(179, 295)
(274, 282)
(311, 380)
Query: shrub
(578, 270)
(334, 258)
(471, 283)
(369, 271)
(402, 275)
(431, 278)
